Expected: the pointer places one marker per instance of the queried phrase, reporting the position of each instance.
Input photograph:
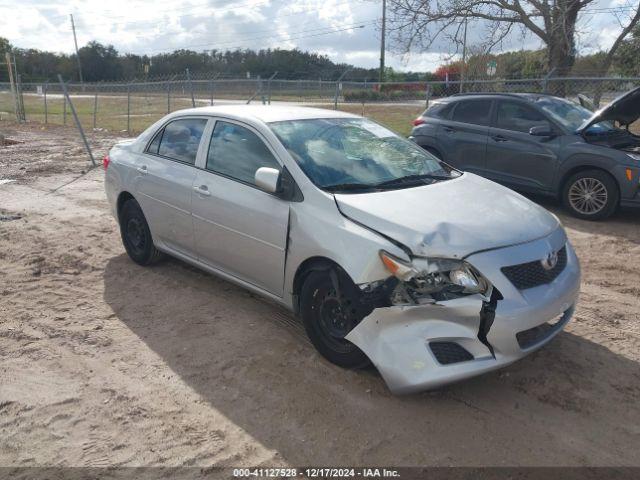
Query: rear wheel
(136, 235)
(591, 195)
(329, 314)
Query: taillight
(418, 121)
(106, 161)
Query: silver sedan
(387, 254)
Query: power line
(217, 44)
(163, 22)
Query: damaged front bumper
(426, 346)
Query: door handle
(448, 129)
(142, 169)
(202, 190)
(499, 138)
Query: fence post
(427, 96)
(23, 117)
(14, 91)
(193, 100)
(128, 107)
(64, 108)
(545, 81)
(269, 87)
(46, 110)
(168, 96)
(95, 107)
(77, 120)
(211, 92)
(335, 98)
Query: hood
(625, 110)
(453, 218)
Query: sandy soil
(103, 362)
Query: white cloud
(149, 27)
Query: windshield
(570, 115)
(340, 154)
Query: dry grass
(146, 109)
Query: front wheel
(591, 195)
(329, 314)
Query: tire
(591, 195)
(327, 318)
(136, 236)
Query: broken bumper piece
(426, 346)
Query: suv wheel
(591, 195)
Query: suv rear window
(439, 110)
(472, 111)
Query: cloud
(325, 26)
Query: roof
(524, 95)
(267, 113)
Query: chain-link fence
(131, 107)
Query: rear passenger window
(179, 140)
(517, 117)
(472, 111)
(237, 152)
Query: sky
(346, 31)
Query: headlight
(465, 278)
(635, 156)
(435, 278)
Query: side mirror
(542, 131)
(268, 179)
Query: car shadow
(624, 223)
(574, 402)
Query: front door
(516, 158)
(239, 228)
(164, 182)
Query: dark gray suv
(541, 144)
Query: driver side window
(519, 118)
(237, 152)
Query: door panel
(463, 139)
(164, 182)
(522, 160)
(165, 196)
(516, 158)
(241, 230)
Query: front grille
(532, 336)
(533, 274)
(449, 352)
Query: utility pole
(382, 46)
(464, 55)
(75, 41)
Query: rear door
(463, 138)
(239, 228)
(164, 181)
(516, 158)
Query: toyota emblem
(550, 261)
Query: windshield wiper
(343, 187)
(412, 179)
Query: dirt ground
(103, 362)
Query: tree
(419, 23)
(100, 62)
(627, 60)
